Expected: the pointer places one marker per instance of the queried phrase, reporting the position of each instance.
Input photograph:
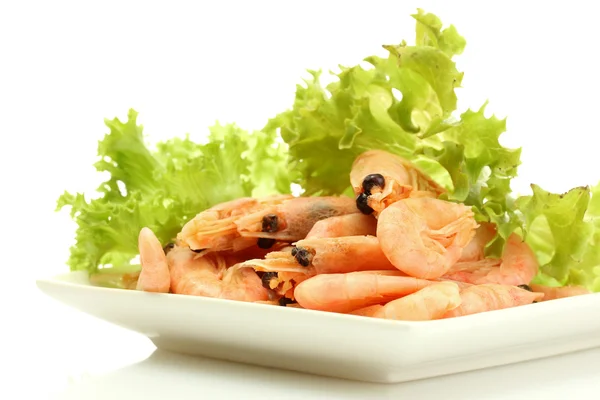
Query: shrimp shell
(490, 297)
(430, 303)
(154, 276)
(344, 225)
(346, 254)
(295, 217)
(346, 292)
(424, 237)
(554, 293)
(402, 178)
(215, 228)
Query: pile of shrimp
(394, 251)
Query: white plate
(338, 345)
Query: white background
(65, 66)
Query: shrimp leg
(380, 178)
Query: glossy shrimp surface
(518, 266)
(379, 179)
(208, 276)
(342, 254)
(344, 225)
(215, 228)
(424, 237)
(346, 292)
(489, 297)
(293, 218)
(429, 303)
(154, 276)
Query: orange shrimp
(554, 293)
(431, 302)
(215, 229)
(379, 179)
(342, 254)
(424, 237)
(207, 275)
(489, 297)
(475, 250)
(154, 276)
(292, 219)
(344, 225)
(518, 266)
(368, 311)
(279, 272)
(346, 292)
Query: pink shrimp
(346, 292)
(554, 293)
(214, 229)
(344, 225)
(379, 179)
(430, 303)
(207, 275)
(292, 219)
(279, 272)
(475, 250)
(518, 266)
(489, 297)
(342, 254)
(424, 237)
(154, 276)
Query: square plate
(338, 345)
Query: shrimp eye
(266, 279)
(265, 243)
(362, 204)
(371, 181)
(302, 256)
(168, 247)
(526, 287)
(294, 251)
(284, 301)
(197, 250)
(270, 223)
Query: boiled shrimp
(430, 303)
(424, 237)
(346, 292)
(154, 276)
(209, 276)
(292, 219)
(475, 250)
(489, 297)
(380, 179)
(215, 229)
(518, 266)
(344, 225)
(342, 254)
(553, 293)
(279, 272)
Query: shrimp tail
(155, 276)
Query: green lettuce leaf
(163, 189)
(564, 232)
(404, 104)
